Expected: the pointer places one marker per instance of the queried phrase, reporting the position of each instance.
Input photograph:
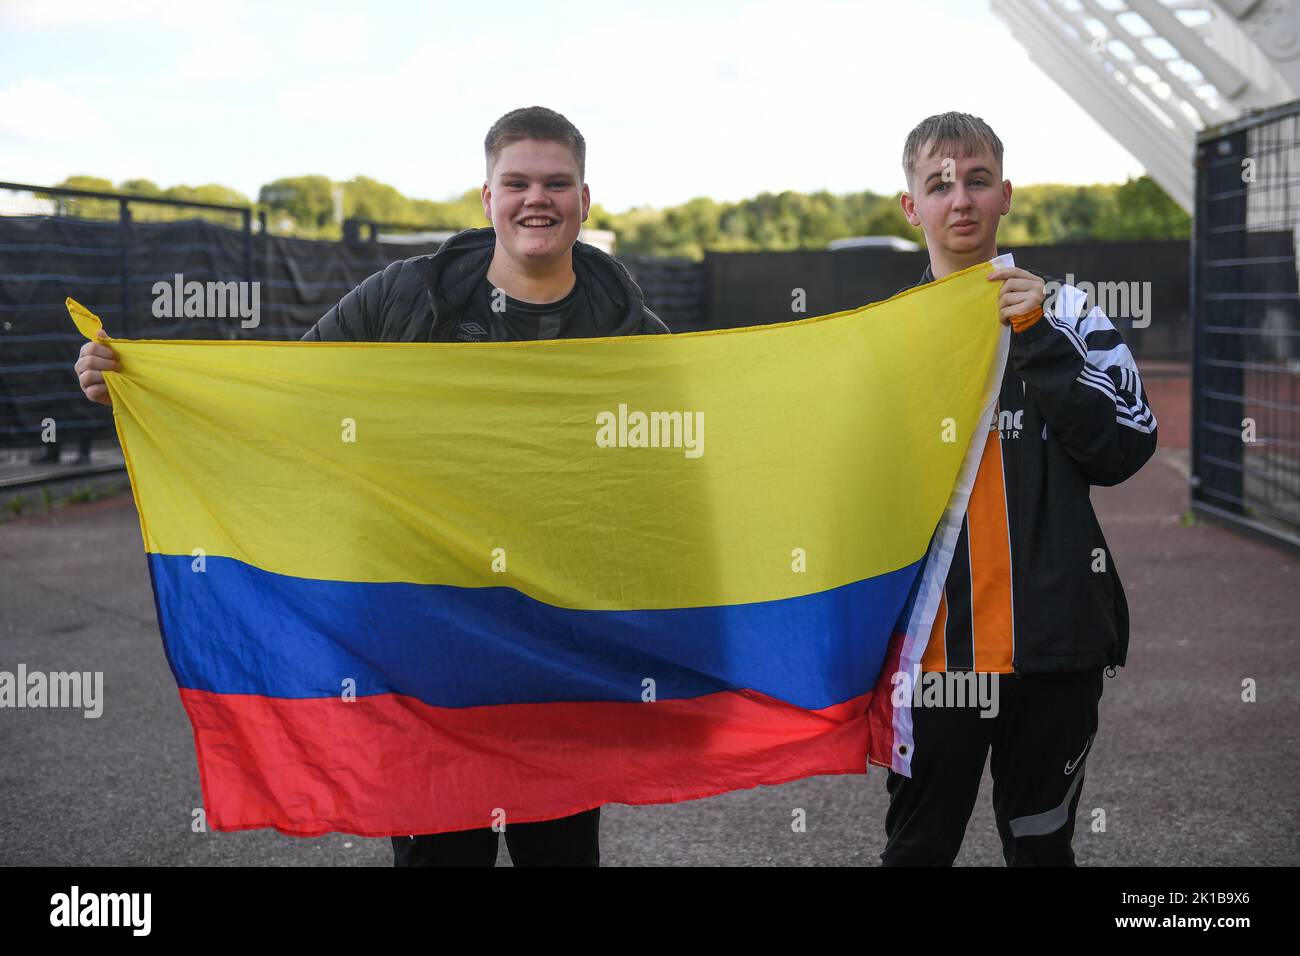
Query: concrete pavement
(1186, 773)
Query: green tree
(88, 183)
(208, 192)
(1041, 213)
(1140, 209)
(86, 208)
(463, 212)
(140, 187)
(885, 218)
(366, 198)
(306, 202)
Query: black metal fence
(56, 243)
(105, 250)
(1245, 462)
(748, 288)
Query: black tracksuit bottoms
(568, 841)
(1040, 740)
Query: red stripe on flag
(389, 765)
(880, 714)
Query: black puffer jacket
(420, 299)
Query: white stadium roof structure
(1155, 73)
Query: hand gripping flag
(417, 587)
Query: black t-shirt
(512, 320)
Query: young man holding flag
(524, 277)
(1032, 598)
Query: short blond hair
(960, 133)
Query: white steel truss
(1156, 72)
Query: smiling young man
(1032, 598)
(524, 277)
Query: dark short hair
(960, 133)
(534, 122)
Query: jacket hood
(454, 272)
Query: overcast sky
(676, 99)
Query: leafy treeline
(306, 206)
(1043, 214)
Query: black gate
(106, 250)
(1246, 319)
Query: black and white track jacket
(1071, 413)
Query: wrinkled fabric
(420, 587)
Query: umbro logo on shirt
(470, 332)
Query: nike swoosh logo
(1072, 765)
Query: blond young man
(1032, 599)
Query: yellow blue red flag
(409, 587)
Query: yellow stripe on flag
(435, 463)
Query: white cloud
(675, 102)
(40, 111)
(334, 37)
(222, 56)
(80, 13)
(430, 82)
